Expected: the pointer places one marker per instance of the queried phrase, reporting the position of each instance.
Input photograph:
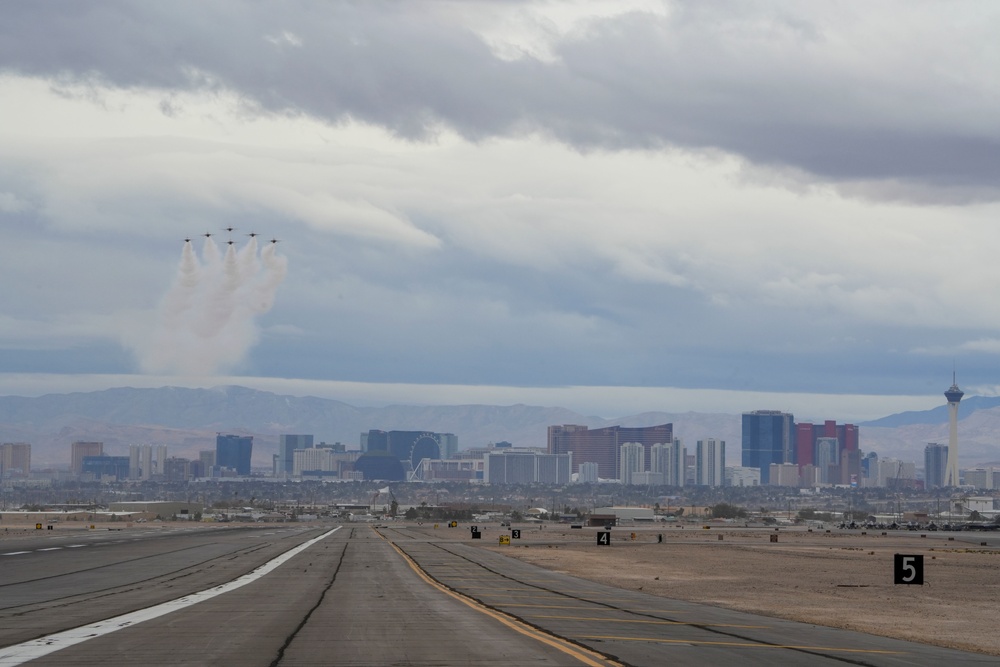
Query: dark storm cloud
(746, 79)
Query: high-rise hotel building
(670, 460)
(603, 445)
(768, 437)
(15, 459)
(710, 462)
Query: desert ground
(832, 577)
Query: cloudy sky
(612, 206)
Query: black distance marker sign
(908, 570)
(604, 538)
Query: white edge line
(18, 654)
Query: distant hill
(938, 415)
(187, 420)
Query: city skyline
(642, 206)
(822, 453)
(205, 412)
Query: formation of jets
(252, 235)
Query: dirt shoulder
(836, 579)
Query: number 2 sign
(908, 570)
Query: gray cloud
(782, 86)
(657, 199)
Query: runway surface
(364, 596)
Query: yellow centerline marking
(549, 606)
(578, 607)
(741, 644)
(492, 588)
(649, 622)
(550, 598)
(467, 578)
(584, 655)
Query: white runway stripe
(20, 653)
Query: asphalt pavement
(356, 595)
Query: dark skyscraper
(935, 463)
(768, 437)
(106, 466)
(234, 451)
(409, 446)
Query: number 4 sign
(908, 570)
(604, 538)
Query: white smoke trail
(206, 323)
(181, 297)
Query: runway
(364, 596)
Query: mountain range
(187, 421)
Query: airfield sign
(604, 538)
(908, 569)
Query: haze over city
(613, 207)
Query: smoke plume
(206, 323)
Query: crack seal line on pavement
(305, 619)
(18, 654)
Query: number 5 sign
(908, 570)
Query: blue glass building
(106, 466)
(234, 451)
(768, 437)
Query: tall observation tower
(954, 395)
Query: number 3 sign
(908, 570)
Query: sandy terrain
(835, 579)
